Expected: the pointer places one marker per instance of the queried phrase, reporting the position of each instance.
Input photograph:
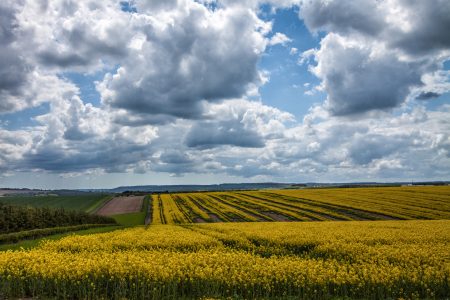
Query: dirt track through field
(121, 205)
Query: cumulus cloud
(342, 16)
(78, 137)
(13, 145)
(281, 39)
(364, 149)
(419, 34)
(175, 162)
(217, 145)
(180, 73)
(188, 55)
(173, 60)
(358, 78)
(376, 55)
(13, 68)
(24, 82)
(427, 95)
(435, 84)
(211, 134)
(416, 27)
(76, 34)
(324, 147)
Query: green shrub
(20, 218)
(37, 233)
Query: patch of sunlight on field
(383, 259)
(325, 204)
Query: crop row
(308, 260)
(399, 203)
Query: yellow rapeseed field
(307, 260)
(327, 204)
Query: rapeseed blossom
(384, 259)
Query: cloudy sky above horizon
(98, 94)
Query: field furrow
(333, 204)
(351, 212)
(266, 260)
(214, 212)
(241, 205)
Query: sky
(99, 94)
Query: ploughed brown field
(121, 205)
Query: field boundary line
(96, 210)
(149, 210)
(97, 206)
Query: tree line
(19, 218)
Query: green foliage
(86, 202)
(97, 205)
(133, 219)
(20, 218)
(29, 244)
(37, 233)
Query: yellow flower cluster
(377, 260)
(406, 202)
(336, 204)
(157, 210)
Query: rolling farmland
(378, 243)
(224, 150)
(33, 217)
(301, 260)
(339, 204)
(87, 203)
(121, 205)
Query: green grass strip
(97, 205)
(28, 244)
(133, 219)
(37, 233)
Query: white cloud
(39, 39)
(306, 56)
(435, 84)
(13, 145)
(191, 55)
(74, 137)
(376, 55)
(280, 39)
(359, 77)
(77, 35)
(179, 75)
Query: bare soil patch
(121, 205)
(199, 220)
(214, 217)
